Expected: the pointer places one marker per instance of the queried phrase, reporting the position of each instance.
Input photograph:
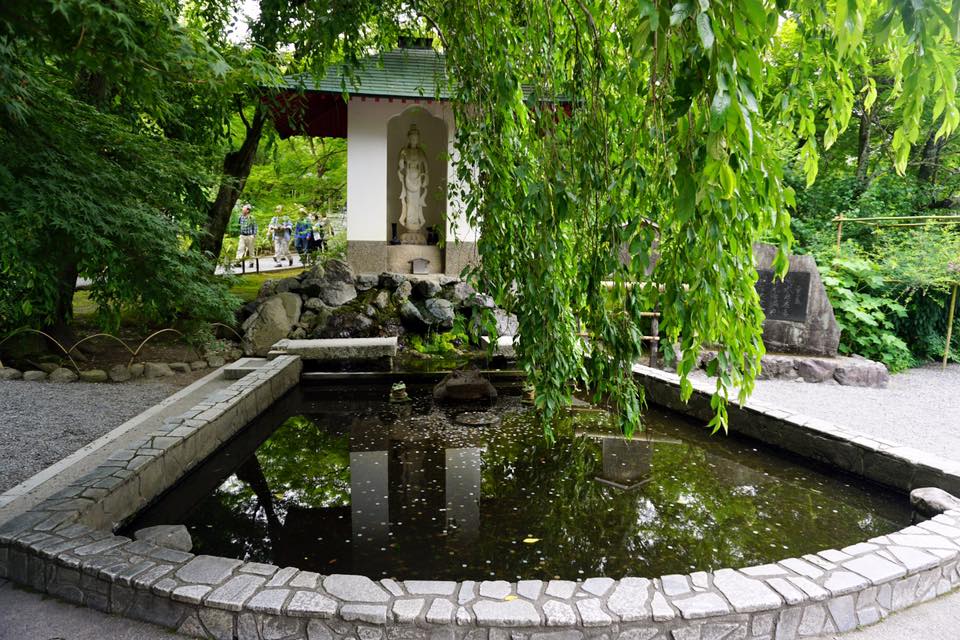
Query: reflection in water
(347, 483)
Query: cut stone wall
(59, 548)
(883, 461)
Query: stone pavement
(21, 613)
(27, 615)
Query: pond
(335, 479)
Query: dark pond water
(336, 480)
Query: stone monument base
(413, 237)
(848, 371)
(400, 255)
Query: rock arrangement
(852, 371)
(330, 301)
(118, 373)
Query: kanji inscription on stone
(786, 299)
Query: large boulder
(314, 304)
(337, 293)
(272, 322)
(267, 289)
(440, 312)
(391, 280)
(859, 372)
(332, 282)
(464, 386)
(426, 289)
(287, 284)
(798, 316)
(347, 323)
(459, 292)
(366, 281)
(776, 367)
(382, 301)
(480, 300)
(412, 318)
(34, 375)
(402, 292)
(815, 370)
(313, 287)
(337, 271)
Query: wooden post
(953, 306)
(839, 231)
(654, 333)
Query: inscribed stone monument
(799, 316)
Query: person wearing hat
(302, 233)
(280, 230)
(247, 244)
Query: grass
(83, 306)
(248, 285)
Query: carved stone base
(413, 237)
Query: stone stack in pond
(330, 301)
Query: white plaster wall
(367, 168)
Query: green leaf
(705, 31)
(718, 110)
(728, 180)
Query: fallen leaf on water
(531, 540)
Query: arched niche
(433, 141)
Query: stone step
(343, 349)
(242, 367)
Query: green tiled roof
(401, 73)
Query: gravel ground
(919, 408)
(43, 422)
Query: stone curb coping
(42, 476)
(65, 549)
(884, 461)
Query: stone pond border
(65, 547)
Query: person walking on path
(321, 229)
(302, 234)
(280, 230)
(247, 244)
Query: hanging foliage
(590, 129)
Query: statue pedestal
(413, 237)
(400, 255)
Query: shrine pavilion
(375, 109)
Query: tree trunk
(863, 146)
(930, 160)
(236, 170)
(66, 284)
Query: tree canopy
(595, 139)
(663, 127)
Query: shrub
(867, 317)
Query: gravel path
(920, 407)
(43, 422)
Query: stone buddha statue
(414, 178)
